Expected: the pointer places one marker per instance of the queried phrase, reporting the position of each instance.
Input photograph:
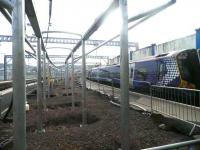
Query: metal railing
(190, 145)
(180, 103)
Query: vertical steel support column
(84, 112)
(19, 89)
(48, 80)
(198, 38)
(39, 87)
(67, 78)
(124, 82)
(5, 67)
(113, 90)
(44, 80)
(72, 80)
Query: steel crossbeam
(56, 40)
(64, 56)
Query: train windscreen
(189, 66)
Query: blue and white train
(174, 69)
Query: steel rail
(175, 145)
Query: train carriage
(174, 69)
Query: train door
(161, 70)
(131, 74)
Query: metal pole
(19, 88)
(113, 94)
(72, 80)
(90, 84)
(124, 82)
(189, 144)
(48, 80)
(84, 112)
(44, 80)
(39, 86)
(67, 77)
(5, 67)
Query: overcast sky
(179, 20)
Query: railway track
(5, 102)
(8, 84)
(6, 93)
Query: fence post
(113, 92)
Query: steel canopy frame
(155, 10)
(88, 33)
(30, 11)
(146, 15)
(58, 40)
(76, 34)
(96, 25)
(65, 32)
(124, 94)
(8, 17)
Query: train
(174, 69)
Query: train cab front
(189, 68)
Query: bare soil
(63, 129)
